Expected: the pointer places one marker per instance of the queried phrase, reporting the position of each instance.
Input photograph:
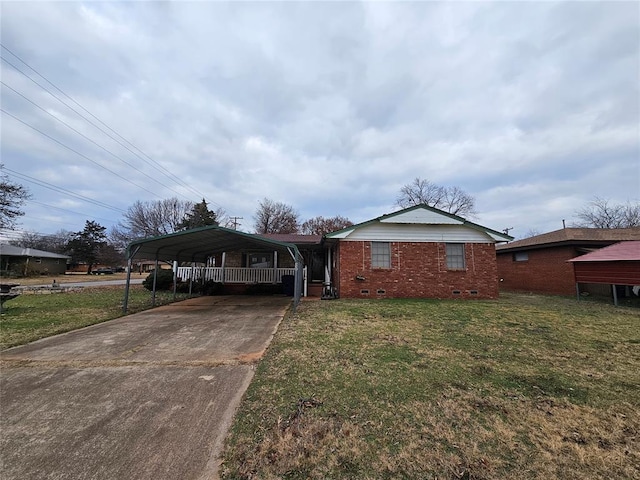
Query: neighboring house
(540, 263)
(29, 261)
(418, 252)
(617, 265)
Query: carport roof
(198, 244)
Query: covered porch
(234, 274)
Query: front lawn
(30, 317)
(527, 387)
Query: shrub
(164, 281)
(211, 288)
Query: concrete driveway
(147, 396)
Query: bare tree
(150, 219)
(321, 225)
(275, 217)
(56, 242)
(532, 232)
(222, 218)
(12, 197)
(601, 214)
(450, 199)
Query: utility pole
(235, 222)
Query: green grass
(30, 317)
(523, 387)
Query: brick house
(418, 252)
(541, 263)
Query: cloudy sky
(532, 108)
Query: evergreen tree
(86, 246)
(200, 216)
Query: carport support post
(125, 301)
(126, 288)
(155, 278)
(578, 291)
(615, 295)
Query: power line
(78, 153)
(163, 170)
(90, 140)
(55, 188)
(70, 211)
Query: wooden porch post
(193, 269)
(275, 266)
(223, 262)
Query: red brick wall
(418, 270)
(546, 271)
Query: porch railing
(234, 274)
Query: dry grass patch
(527, 387)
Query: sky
(533, 108)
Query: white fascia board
(342, 234)
(498, 238)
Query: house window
(380, 255)
(260, 260)
(455, 256)
(38, 260)
(520, 257)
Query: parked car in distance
(103, 271)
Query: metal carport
(198, 244)
(617, 264)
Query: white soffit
(421, 216)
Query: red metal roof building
(617, 264)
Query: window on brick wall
(455, 256)
(520, 257)
(380, 255)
